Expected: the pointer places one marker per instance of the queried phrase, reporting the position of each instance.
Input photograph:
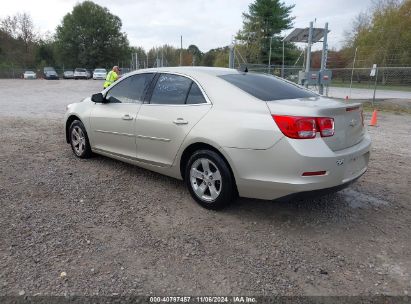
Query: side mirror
(98, 98)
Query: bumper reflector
(315, 173)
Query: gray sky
(205, 23)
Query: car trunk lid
(348, 121)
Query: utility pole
(310, 41)
(282, 66)
(137, 61)
(181, 50)
(353, 66)
(323, 59)
(231, 57)
(269, 56)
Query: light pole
(269, 57)
(282, 66)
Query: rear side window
(171, 89)
(195, 96)
(266, 87)
(130, 90)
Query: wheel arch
(190, 149)
(69, 121)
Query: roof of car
(193, 71)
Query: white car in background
(29, 75)
(80, 73)
(100, 74)
(224, 132)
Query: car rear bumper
(99, 77)
(277, 172)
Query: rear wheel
(79, 140)
(209, 180)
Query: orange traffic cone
(373, 122)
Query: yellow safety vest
(111, 77)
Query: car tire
(79, 141)
(209, 180)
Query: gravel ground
(113, 228)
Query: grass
(371, 86)
(383, 107)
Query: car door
(176, 104)
(113, 123)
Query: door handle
(180, 121)
(127, 117)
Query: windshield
(99, 70)
(266, 87)
(80, 70)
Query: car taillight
(300, 127)
(326, 126)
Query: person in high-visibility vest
(112, 76)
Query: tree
(19, 38)
(195, 53)
(265, 19)
(382, 36)
(90, 36)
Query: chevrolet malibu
(224, 132)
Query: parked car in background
(50, 73)
(224, 132)
(29, 75)
(68, 75)
(80, 73)
(89, 74)
(100, 74)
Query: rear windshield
(80, 70)
(100, 70)
(266, 87)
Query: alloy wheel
(78, 140)
(205, 179)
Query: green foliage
(18, 40)
(382, 37)
(90, 36)
(265, 19)
(45, 53)
(216, 57)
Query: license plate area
(356, 164)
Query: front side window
(130, 90)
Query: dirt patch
(118, 229)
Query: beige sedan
(224, 132)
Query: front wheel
(209, 180)
(79, 140)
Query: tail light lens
(296, 126)
(300, 127)
(326, 126)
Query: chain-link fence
(357, 83)
(17, 73)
